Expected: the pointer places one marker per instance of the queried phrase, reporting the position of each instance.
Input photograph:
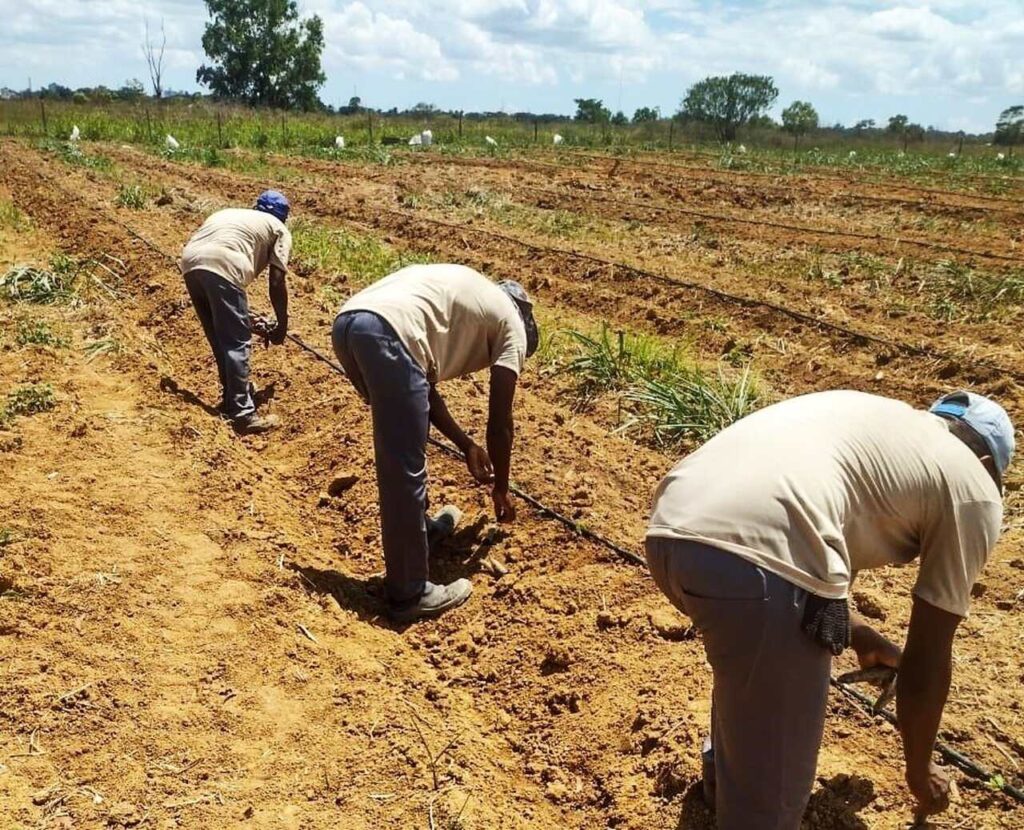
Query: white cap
(985, 417)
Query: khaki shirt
(453, 320)
(237, 244)
(821, 486)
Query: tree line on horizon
(263, 55)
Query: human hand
(504, 508)
(873, 649)
(278, 333)
(931, 788)
(479, 464)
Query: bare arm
(279, 301)
(873, 648)
(922, 688)
(477, 461)
(500, 433)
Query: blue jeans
(770, 680)
(386, 376)
(223, 311)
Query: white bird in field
(427, 138)
(853, 154)
(171, 142)
(1000, 156)
(490, 141)
(416, 140)
(952, 155)
(75, 133)
(557, 139)
(742, 149)
(339, 142)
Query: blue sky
(953, 64)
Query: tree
(728, 102)
(619, 119)
(133, 90)
(592, 111)
(646, 114)
(864, 124)
(355, 103)
(799, 118)
(155, 60)
(1010, 127)
(261, 53)
(898, 124)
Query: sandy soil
(190, 631)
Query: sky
(952, 64)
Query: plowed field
(191, 634)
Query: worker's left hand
(873, 649)
(504, 509)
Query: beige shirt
(453, 320)
(237, 244)
(821, 486)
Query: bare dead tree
(155, 60)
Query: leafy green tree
(898, 124)
(619, 119)
(644, 114)
(1010, 127)
(799, 118)
(728, 102)
(864, 124)
(592, 111)
(261, 53)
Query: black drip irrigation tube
(957, 759)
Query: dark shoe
(434, 601)
(442, 525)
(255, 424)
(707, 762)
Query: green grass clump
(12, 217)
(101, 346)
(960, 292)
(38, 333)
(665, 394)
(28, 400)
(28, 284)
(70, 153)
(361, 258)
(131, 196)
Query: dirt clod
(670, 626)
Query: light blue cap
(985, 417)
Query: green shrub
(38, 333)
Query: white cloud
(937, 60)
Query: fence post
(369, 122)
(960, 149)
(460, 125)
(534, 130)
(284, 132)
(220, 131)
(149, 127)
(42, 109)
(671, 130)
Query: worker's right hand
(479, 464)
(277, 334)
(931, 788)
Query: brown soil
(190, 632)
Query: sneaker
(255, 424)
(442, 525)
(434, 601)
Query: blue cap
(274, 203)
(985, 417)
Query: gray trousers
(770, 681)
(386, 376)
(223, 311)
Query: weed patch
(38, 333)
(131, 196)
(12, 217)
(361, 258)
(28, 400)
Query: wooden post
(220, 131)
(960, 149)
(460, 125)
(534, 130)
(671, 130)
(284, 133)
(369, 122)
(149, 127)
(42, 109)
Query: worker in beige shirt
(230, 249)
(757, 537)
(397, 340)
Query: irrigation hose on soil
(961, 761)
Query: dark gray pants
(223, 311)
(770, 681)
(386, 376)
